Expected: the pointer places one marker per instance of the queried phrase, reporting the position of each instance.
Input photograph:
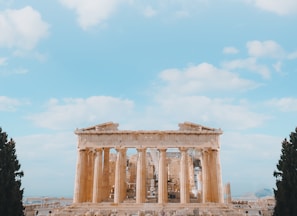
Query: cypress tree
(286, 179)
(11, 194)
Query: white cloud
(230, 50)
(267, 48)
(182, 96)
(182, 13)
(75, 112)
(201, 78)
(286, 104)
(249, 64)
(180, 8)
(3, 61)
(292, 55)
(280, 7)
(269, 53)
(18, 70)
(225, 113)
(21, 71)
(91, 12)
(149, 11)
(278, 67)
(9, 104)
(22, 29)
(41, 57)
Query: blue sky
(67, 64)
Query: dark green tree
(11, 194)
(286, 179)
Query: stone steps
(147, 209)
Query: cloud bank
(72, 113)
(22, 29)
(8, 104)
(91, 12)
(280, 7)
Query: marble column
(80, 176)
(141, 176)
(218, 174)
(162, 178)
(123, 175)
(90, 176)
(120, 177)
(205, 177)
(97, 183)
(105, 183)
(228, 193)
(184, 177)
(212, 178)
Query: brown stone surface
(176, 166)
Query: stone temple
(125, 172)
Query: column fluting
(105, 184)
(80, 176)
(184, 176)
(162, 178)
(120, 177)
(97, 183)
(141, 176)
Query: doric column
(90, 174)
(162, 178)
(141, 176)
(97, 183)
(205, 177)
(219, 182)
(123, 175)
(80, 177)
(120, 177)
(212, 178)
(184, 176)
(105, 183)
(228, 193)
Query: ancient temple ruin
(151, 173)
(179, 166)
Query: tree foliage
(11, 194)
(286, 178)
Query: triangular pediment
(189, 126)
(108, 126)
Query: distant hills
(264, 193)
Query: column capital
(183, 149)
(206, 150)
(119, 148)
(140, 149)
(98, 150)
(89, 150)
(162, 149)
(209, 149)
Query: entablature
(189, 135)
(122, 142)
